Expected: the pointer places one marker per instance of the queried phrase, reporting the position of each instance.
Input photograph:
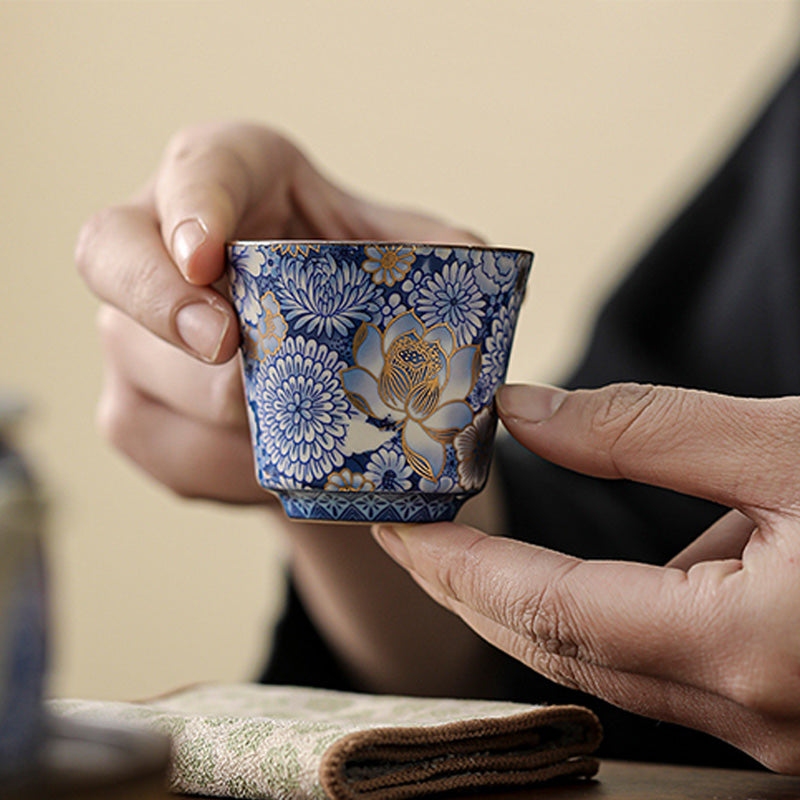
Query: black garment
(714, 304)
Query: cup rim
(382, 242)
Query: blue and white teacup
(370, 370)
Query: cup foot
(412, 507)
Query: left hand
(711, 640)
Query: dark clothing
(714, 304)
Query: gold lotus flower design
(413, 378)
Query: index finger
(209, 184)
(575, 616)
(121, 256)
(156, 260)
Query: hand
(172, 398)
(712, 640)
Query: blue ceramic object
(22, 610)
(370, 370)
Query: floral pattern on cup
(370, 371)
(264, 337)
(388, 263)
(300, 392)
(415, 380)
(324, 296)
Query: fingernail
(391, 542)
(530, 403)
(186, 238)
(202, 328)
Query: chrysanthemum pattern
(374, 365)
(388, 471)
(454, 298)
(299, 390)
(324, 296)
(474, 450)
(388, 264)
(494, 272)
(497, 347)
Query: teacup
(370, 370)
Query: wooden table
(637, 781)
(617, 780)
(87, 763)
(627, 780)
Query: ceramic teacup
(370, 370)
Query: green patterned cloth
(291, 743)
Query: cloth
(714, 303)
(291, 743)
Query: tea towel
(295, 743)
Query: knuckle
(629, 414)
(268, 139)
(558, 668)
(547, 633)
(186, 141)
(145, 299)
(192, 148)
(557, 665)
(183, 142)
(88, 236)
(217, 165)
(621, 404)
(210, 170)
(462, 576)
(545, 617)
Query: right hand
(172, 398)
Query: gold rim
(376, 243)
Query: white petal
(441, 334)
(464, 368)
(367, 350)
(362, 391)
(424, 453)
(450, 417)
(403, 324)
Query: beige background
(569, 126)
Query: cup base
(412, 507)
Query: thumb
(736, 451)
